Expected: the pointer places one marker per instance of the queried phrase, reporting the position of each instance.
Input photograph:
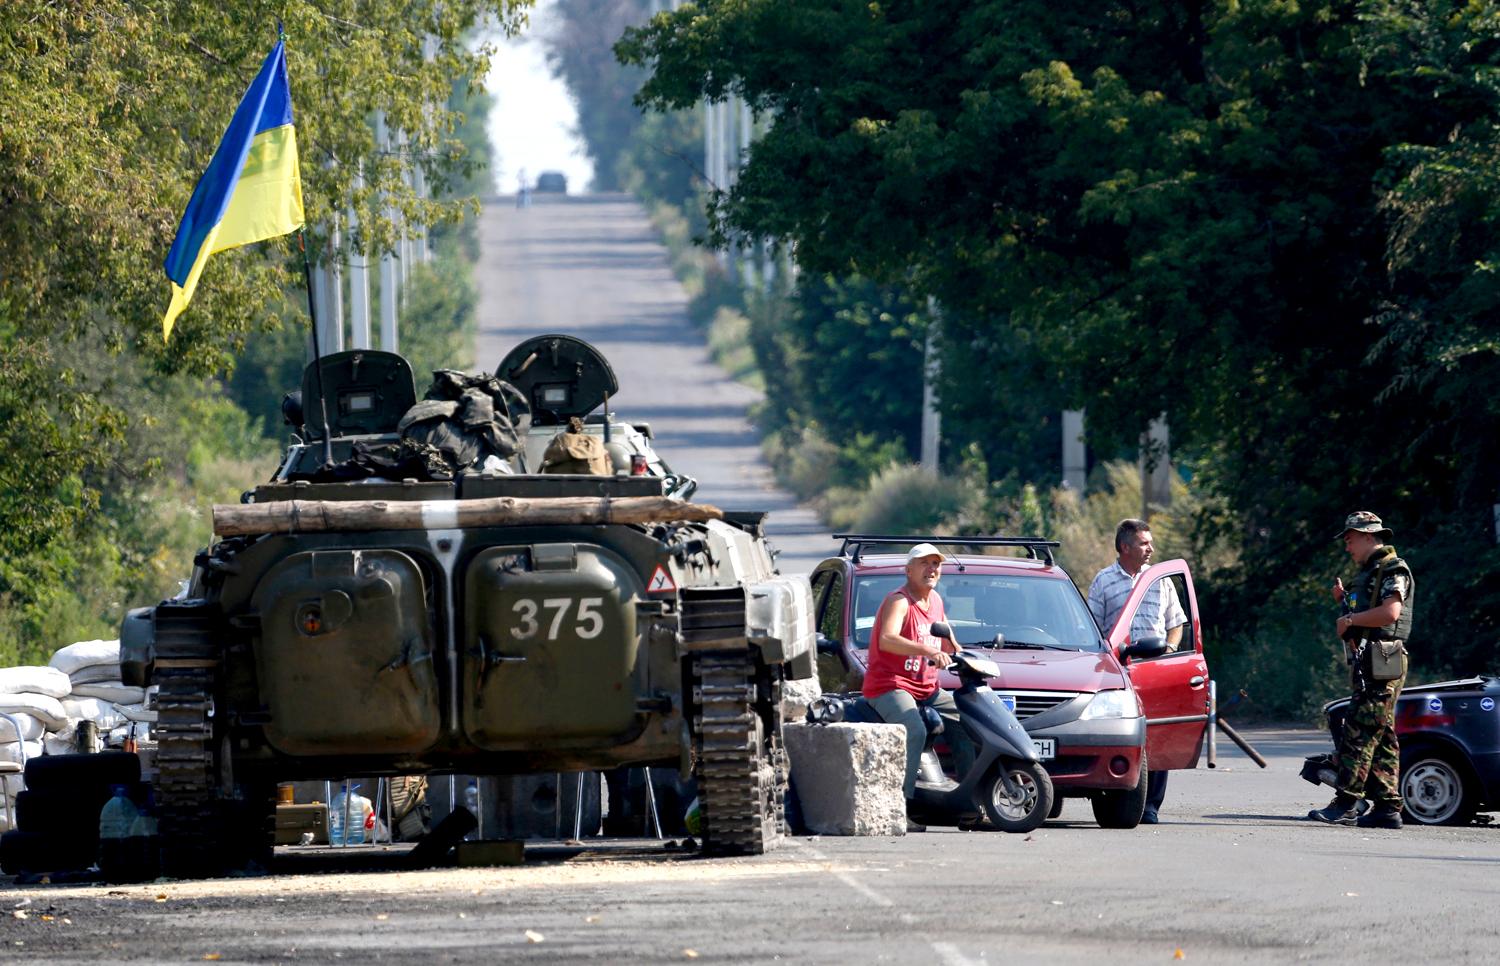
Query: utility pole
(1075, 453)
(389, 271)
(1156, 468)
(329, 285)
(359, 282)
(931, 421)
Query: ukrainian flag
(252, 189)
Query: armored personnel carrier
(350, 620)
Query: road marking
(846, 878)
(949, 954)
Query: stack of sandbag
(97, 695)
(31, 696)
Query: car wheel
(1122, 808)
(1027, 809)
(1437, 790)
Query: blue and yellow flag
(252, 189)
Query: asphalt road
(1233, 874)
(592, 267)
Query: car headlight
(1119, 703)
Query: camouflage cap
(1365, 522)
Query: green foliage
(905, 498)
(438, 317)
(578, 50)
(663, 160)
(112, 444)
(1273, 222)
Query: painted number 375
(587, 622)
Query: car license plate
(1046, 748)
(1009, 700)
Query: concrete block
(796, 696)
(848, 777)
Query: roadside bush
(905, 498)
(729, 341)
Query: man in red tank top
(899, 678)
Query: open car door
(1173, 687)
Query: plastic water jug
(115, 820)
(361, 818)
(144, 847)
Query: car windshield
(1029, 611)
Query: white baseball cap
(923, 550)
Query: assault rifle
(1354, 642)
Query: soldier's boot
(1381, 816)
(1340, 811)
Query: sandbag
(11, 750)
(76, 657)
(37, 680)
(59, 742)
(31, 728)
(95, 674)
(111, 691)
(45, 708)
(97, 710)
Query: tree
(578, 50)
(1156, 207)
(111, 110)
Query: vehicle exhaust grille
(713, 617)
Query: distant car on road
(1097, 705)
(1450, 748)
(552, 182)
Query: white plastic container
(361, 818)
(116, 818)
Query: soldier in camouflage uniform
(1377, 613)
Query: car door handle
(1196, 680)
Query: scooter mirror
(941, 629)
(999, 641)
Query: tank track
(740, 759)
(187, 780)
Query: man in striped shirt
(1160, 615)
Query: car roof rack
(1036, 547)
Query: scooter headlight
(1120, 703)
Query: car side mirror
(1145, 647)
(941, 629)
(825, 646)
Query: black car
(552, 182)
(1450, 748)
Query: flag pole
(312, 313)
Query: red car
(1098, 705)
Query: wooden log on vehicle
(315, 516)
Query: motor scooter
(1006, 781)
